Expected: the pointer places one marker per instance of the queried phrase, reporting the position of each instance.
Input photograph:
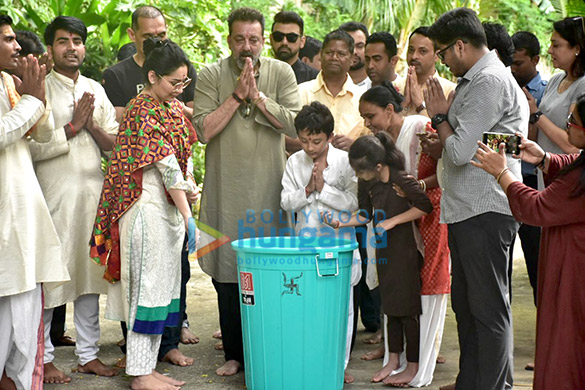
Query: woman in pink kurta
(560, 210)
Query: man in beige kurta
(29, 246)
(244, 105)
(69, 172)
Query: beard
(241, 60)
(285, 53)
(358, 65)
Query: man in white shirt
(69, 172)
(357, 71)
(29, 246)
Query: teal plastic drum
(294, 298)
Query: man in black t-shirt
(123, 82)
(287, 40)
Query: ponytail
(369, 151)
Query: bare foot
(218, 346)
(441, 359)
(377, 353)
(121, 363)
(402, 379)
(376, 338)
(176, 357)
(54, 375)
(98, 368)
(151, 382)
(121, 343)
(392, 365)
(187, 337)
(348, 378)
(231, 367)
(448, 387)
(6, 383)
(217, 334)
(529, 367)
(167, 379)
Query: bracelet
(541, 163)
(422, 184)
(238, 99)
(261, 97)
(72, 128)
(504, 171)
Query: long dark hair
(382, 95)
(162, 56)
(579, 163)
(572, 29)
(368, 151)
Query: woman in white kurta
(380, 107)
(144, 213)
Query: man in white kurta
(337, 196)
(69, 172)
(29, 246)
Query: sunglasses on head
(279, 36)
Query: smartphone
(493, 141)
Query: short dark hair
(571, 29)
(30, 43)
(67, 23)
(289, 17)
(355, 26)
(127, 50)
(339, 35)
(382, 95)
(422, 30)
(460, 23)
(163, 57)
(370, 150)
(5, 19)
(498, 38)
(245, 14)
(316, 118)
(387, 39)
(312, 48)
(147, 12)
(527, 41)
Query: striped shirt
(488, 99)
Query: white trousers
(20, 315)
(432, 321)
(86, 317)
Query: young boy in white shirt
(318, 179)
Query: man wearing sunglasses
(124, 80)
(287, 39)
(474, 207)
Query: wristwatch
(535, 117)
(438, 119)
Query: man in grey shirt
(481, 226)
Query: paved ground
(202, 310)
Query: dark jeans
(479, 254)
(58, 323)
(530, 241)
(172, 336)
(230, 320)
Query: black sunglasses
(279, 36)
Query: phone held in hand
(493, 141)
